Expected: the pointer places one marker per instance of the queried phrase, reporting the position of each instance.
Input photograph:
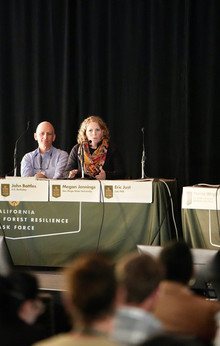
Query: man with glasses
(46, 161)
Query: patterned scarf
(92, 163)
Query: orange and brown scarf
(93, 162)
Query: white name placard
(74, 190)
(126, 191)
(200, 198)
(24, 189)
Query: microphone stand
(82, 161)
(82, 158)
(143, 157)
(15, 159)
(15, 149)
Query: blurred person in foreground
(90, 301)
(180, 310)
(20, 307)
(138, 277)
(99, 157)
(46, 161)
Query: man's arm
(27, 169)
(60, 165)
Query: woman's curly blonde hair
(83, 127)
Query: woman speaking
(94, 157)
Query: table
(53, 232)
(200, 212)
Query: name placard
(126, 191)
(74, 191)
(24, 189)
(200, 198)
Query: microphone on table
(15, 149)
(143, 156)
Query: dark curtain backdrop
(151, 64)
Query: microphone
(15, 149)
(143, 156)
(82, 157)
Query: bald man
(46, 161)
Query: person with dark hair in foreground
(19, 309)
(90, 300)
(138, 278)
(177, 307)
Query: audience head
(91, 288)
(19, 297)
(45, 136)
(139, 276)
(83, 127)
(176, 259)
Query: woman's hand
(72, 173)
(101, 175)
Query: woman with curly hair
(94, 157)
